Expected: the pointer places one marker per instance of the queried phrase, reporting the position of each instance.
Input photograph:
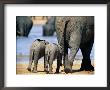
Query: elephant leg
(69, 63)
(86, 62)
(29, 66)
(60, 59)
(21, 30)
(64, 54)
(65, 58)
(46, 63)
(30, 60)
(28, 28)
(35, 66)
(74, 44)
(36, 57)
(50, 63)
(59, 62)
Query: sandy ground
(21, 68)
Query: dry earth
(22, 68)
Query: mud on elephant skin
(75, 32)
(52, 52)
(37, 51)
(23, 25)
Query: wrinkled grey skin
(37, 51)
(76, 32)
(52, 52)
(49, 27)
(23, 25)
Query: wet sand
(21, 68)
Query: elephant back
(65, 25)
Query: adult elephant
(23, 25)
(76, 32)
(49, 27)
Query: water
(24, 43)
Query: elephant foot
(87, 68)
(62, 70)
(57, 71)
(45, 69)
(47, 72)
(90, 68)
(34, 71)
(50, 72)
(29, 69)
(86, 65)
(67, 70)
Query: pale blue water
(24, 43)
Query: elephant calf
(37, 51)
(52, 52)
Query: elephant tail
(65, 28)
(64, 34)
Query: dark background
(55, 1)
(2, 49)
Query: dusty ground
(21, 68)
